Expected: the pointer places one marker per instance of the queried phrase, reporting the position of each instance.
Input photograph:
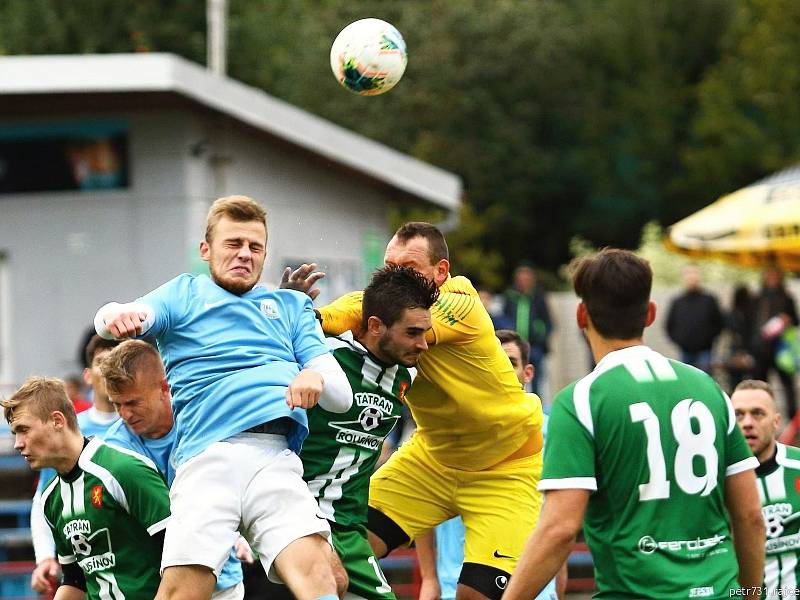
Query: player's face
(414, 253)
(144, 405)
(236, 254)
(524, 372)
(758, 419)
(94, 377)
(33, 438)
(404, 341)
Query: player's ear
(87, 376)
(441, 272)
(58, 419)
(205, 250)
(528, 372)
(581, 316)
(651, 314)
(375, 326)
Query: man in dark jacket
(526, 308)
(694, 321)
(774, 311)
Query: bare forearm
(749, 554)
(544, 554)
(426, 554)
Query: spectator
(499, 320)
(739, 322)
(526, 307)
(694, 321)
(774, 311)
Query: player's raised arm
(117, 321)
(747, 524)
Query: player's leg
(281, 520)
(500, 507)
(408, 495)
(366, 579)
(204, 501)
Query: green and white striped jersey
(654, 440)
(103, 514)
(779, 489)
(341, 450)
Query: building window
(51, 157)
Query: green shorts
(366, 578)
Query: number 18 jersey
(654, 439)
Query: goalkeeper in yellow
(477, 448)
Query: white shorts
(235, 592)
(251, 483)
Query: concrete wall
(67, 253)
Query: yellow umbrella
(754, 226)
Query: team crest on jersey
(97, 496)
(270, 308)
(797, 484)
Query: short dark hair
(614, 285)
(95, 345)
(507, 336)
(393, 289)
(755, 384)
(437, 246)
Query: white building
(108, 164)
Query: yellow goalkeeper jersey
(470, 410)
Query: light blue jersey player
(138, 389)
(242, 362)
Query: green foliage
(667, 265)
(564, 119)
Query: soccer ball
(368, 57)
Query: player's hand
(45, 576)
(243, 551)
(302, 279)
(126, 325)
(304, 390)
(429, 589)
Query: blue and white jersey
(230, 358)
(91, 422)
(159, 451)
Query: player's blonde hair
(41, 396)
(131, 358)
(241, 209)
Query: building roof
(138, 73)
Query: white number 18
(690, 444)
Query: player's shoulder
(788, 456)
(120, 462)
(119, 436)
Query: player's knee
(489, 581)
(386, 531)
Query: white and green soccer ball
(368, 57)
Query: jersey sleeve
(343, 314)
(307, 339)
(161, 300)
(569, 455)
(456, 318)
(64, 550)
(147, 495)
